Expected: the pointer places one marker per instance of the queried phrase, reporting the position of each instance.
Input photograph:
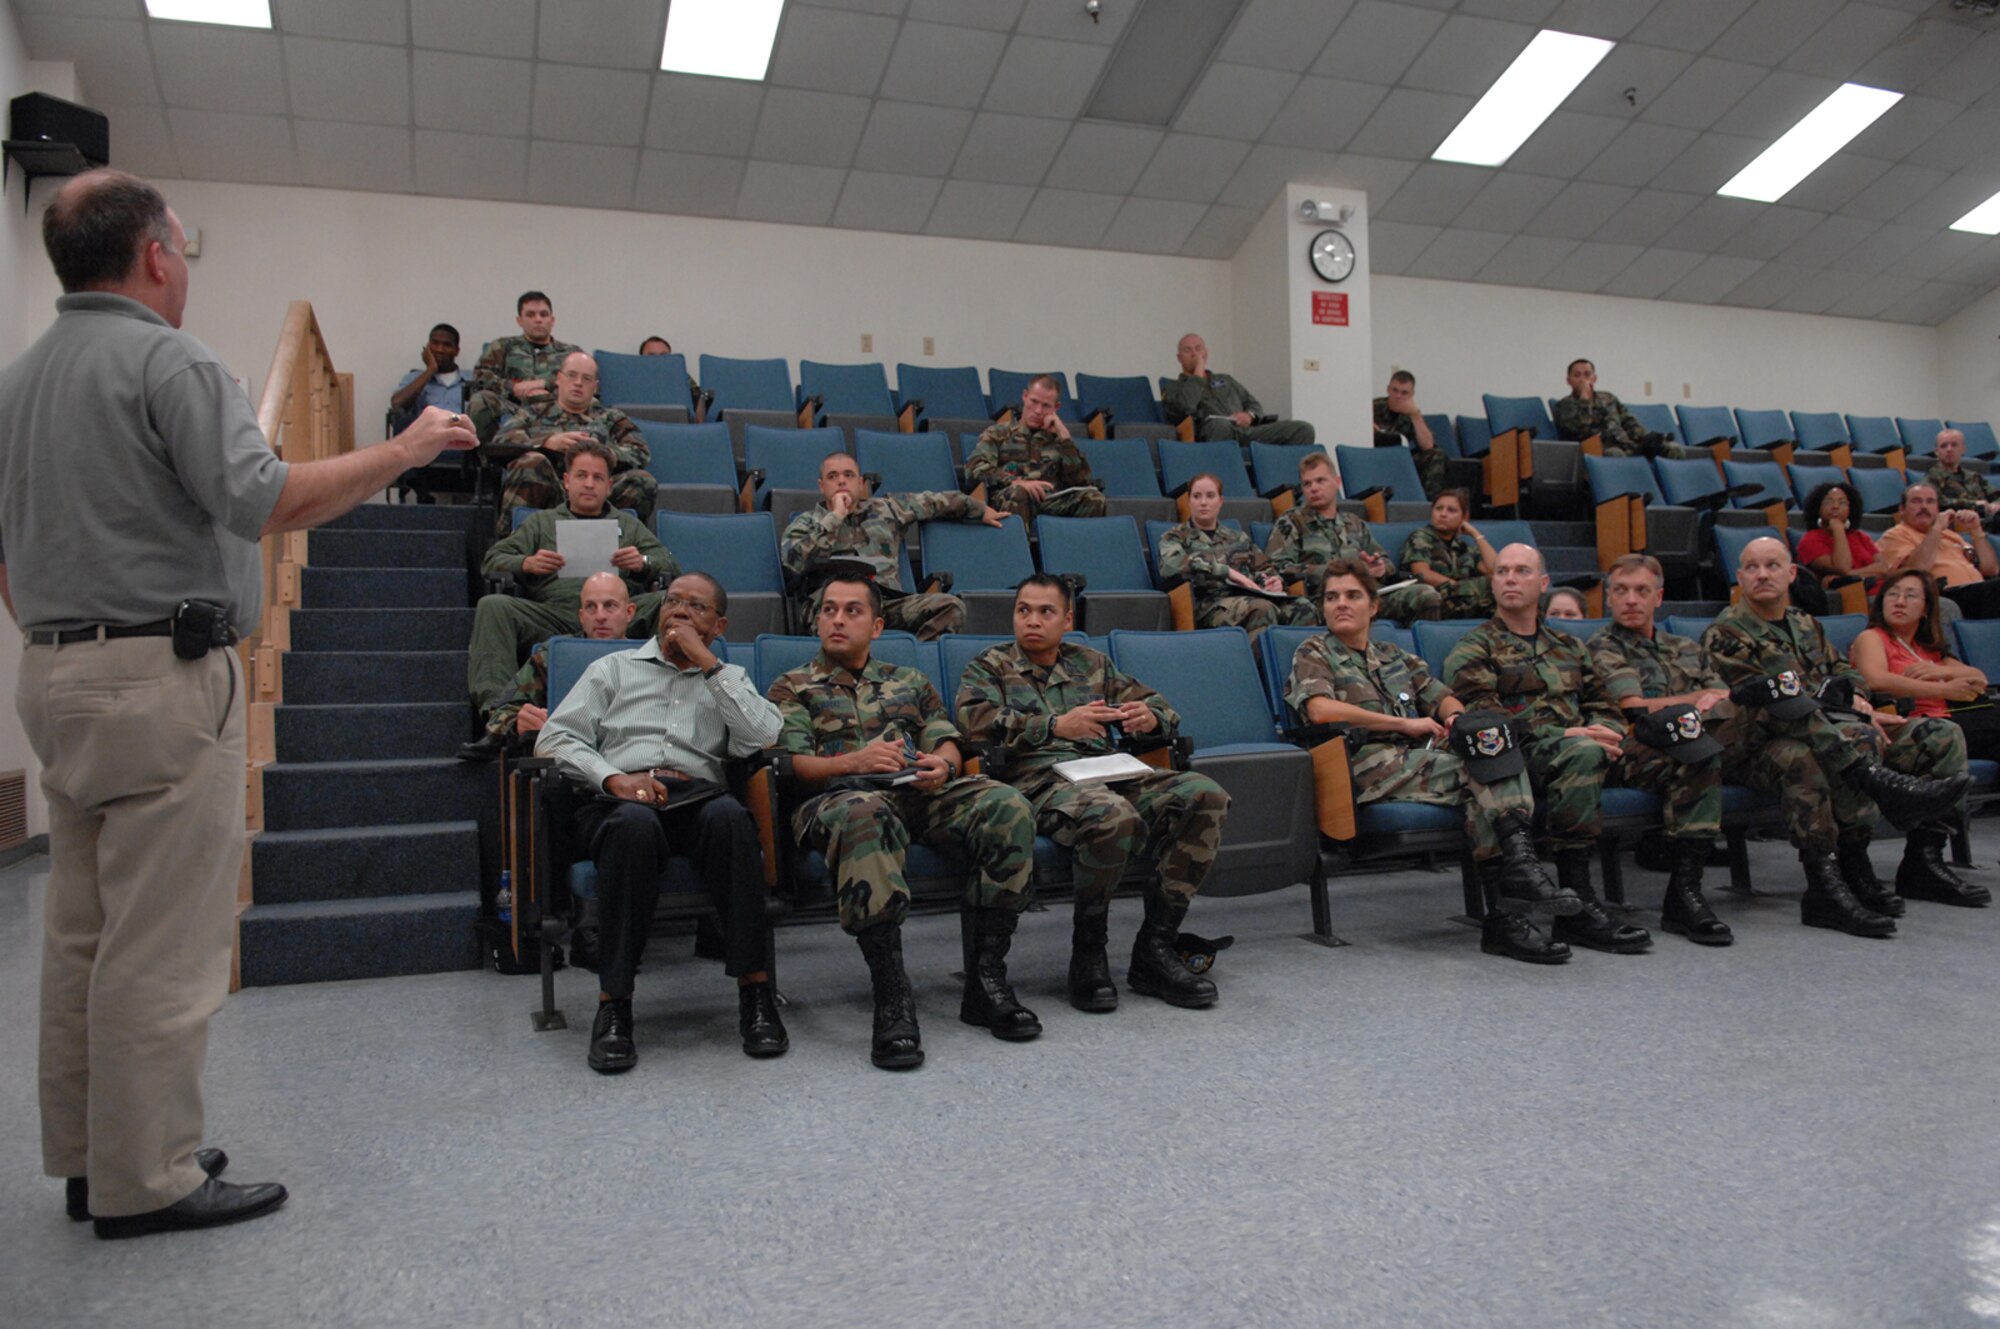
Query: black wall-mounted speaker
(36, 117)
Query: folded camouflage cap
(1677, 732)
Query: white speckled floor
(1797, 1131)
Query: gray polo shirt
(132, 473)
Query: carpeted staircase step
(413, 517)
(331, 940)
(1567, 561)
(363, 733)
(396, 792)
(361, 678)
(380, 630)
(384, 588)
(386, 549)
(363, 862)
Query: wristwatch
(712, 670)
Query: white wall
(1463, 338)
(1335, 396)
(1260, 314)
(1969, 362)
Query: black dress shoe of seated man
(213, 1204)
(487, 747)
(611, 1047)
(76, 1190)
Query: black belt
(163, 628)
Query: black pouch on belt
(199, 626)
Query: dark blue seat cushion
(677, 877)
(921, 864)
(1985, 774)
(1391, 817)
(1737, 799)
(1630, 803)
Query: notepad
(1102, 770)
(586, 545)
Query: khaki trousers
(143, 764)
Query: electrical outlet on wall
(867, 342)
(1312, 366)
(1649, 388)
(930, 346)
(1687, 391)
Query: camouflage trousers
(1176, 814)
(505, 627)
(1430, 469)
(489, 409)
(1568, 775)
(1408, 603)
(1383, 771)
(1220, 428)
(925, 616)
(1252, 614)
(1806, 761)
(1691, 792)
(531, 482)
(864, 835)
(1468, 597)
(1649, 445)
(1076, 503)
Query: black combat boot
(757, 1020)
(1685, 910)
(1828, 903)
(1157, 968)
(1922, 875)
(1523, 885)
(1090, 985)
(989, 1002)
(1591, 926)
(897, 1046)
(1858, 871)
(1907, 799)
(1512, 935)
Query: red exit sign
(1330, 307)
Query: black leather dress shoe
(763, 1032)
(611, 1046)
(211, 1205)
(487, 747)
(76, 1190)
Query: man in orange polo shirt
(1952, 547)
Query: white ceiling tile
(1972, 73)
(589, 175)
(1953, 198)
(1709, 163)
(1066, 19)
(1931, 304)
(1377, 42)
(809, 128)
(222, 145)
(789, 192)
(1107, 159)
(1221, 232)
(1190, 168)
(942, 64)
(1282, 34)
(980, 211)
(1377, 177)
(1816, 293)
(1689, 25)
(1907, 62)
(1589, 266)
(832, 51)
(1531, 12)
(613, 34)
(1973, 139)
(1393, 245)
(1894, 191)
(1017, 149)
(1149, 226)
(1267, 169)
(716, 116)
(689, 182)
(1934, 256)
(1870, 296)
(1647, 217)
(1979, 268)
(1777, 103)
(1580, 210)
(1565, 144)
(580, 105)
(111, 57)
(999, 15)
(1766, 286)
(1772, 230)
(877, 201)
(1324, 113)
(353, 20)
(354, 81)
(1410, 124)
(478, 27)
(376, 158)
(1903, 127)
(1848, 40)
(1507, 202)
(206, 69)
(1235, 101)
(1770, 30)
(889, 7)
(86, 8)
(903, 139)
(1042, 77)
(1630, 78)
(1833, 185)
(471, 165)
(472, 94)
(1886, 246)
(1525, 260)
(1648, 275)
(1069, 217)
(1435, 193)
(1703, 92)
(1467, 54)
(1638, 154)
(1457, 255)
(144, 145)
(1714, 221)
(1613, 19)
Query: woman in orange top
(1903, 654)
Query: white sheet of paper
(586, 545)
(1102, 770)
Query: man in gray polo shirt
(141, 746)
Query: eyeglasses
(692, 606)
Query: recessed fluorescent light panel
(1826, 129)
(721, 38)
(231, 13)
(1982, 220)
(1520, 99)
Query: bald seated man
(542, 432)
(604, 611)
(1223, 408)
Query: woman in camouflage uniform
(1221, 565)
(1451, 555)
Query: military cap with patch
(1781, 695)
(1676, 732)
(1485, 739)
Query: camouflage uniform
(829, 711)
(505, 361)
(873, 532)
(1204, 559)
(1003, 697)
(1006, 453)
(1470, 595)
(1302, 542)
(1554, 688)
(1802, 759)
(1429, 461)
(1628, 665)
(531, 478)
(1605, 416)
(1212, 398)
(1960, 488)
(505, 625)
(1391, 681)
(531, 688)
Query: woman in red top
(1903, 654)
(1832, 547)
